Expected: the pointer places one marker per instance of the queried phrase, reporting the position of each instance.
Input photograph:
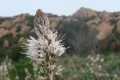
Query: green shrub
(15, 52)
(18, 69)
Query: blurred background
(91, 29)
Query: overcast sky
(59, 7)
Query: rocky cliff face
(103, 22)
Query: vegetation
(85, 59)
(92, 67)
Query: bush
(15, 52)
(18, 69)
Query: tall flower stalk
(45, 50)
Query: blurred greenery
(15, 52)
(77, 36)
(76, 67)
(18, 69)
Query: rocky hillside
(21, 25)
(85, 12)
(84, 29)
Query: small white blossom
(100, 67)
(87, 64)
(115, 76)
(101, 60)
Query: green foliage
(3, 19)
(113, 21)
(77, 36)
(9, 37)
(19, 67)
(15, 52)
(3, 53)
(77, 68)
(30, 19)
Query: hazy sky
(59, 7)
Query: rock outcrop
(3, 32)
(104, 29)
(6, 24)
(6, 43)
(84, 13)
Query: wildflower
(91, 69)
(87, 64)
(3, 70)
(82, 70)
(92, 64)
(94, 60)
(98, 57)
(103, 74)
(100, 74)
(119, 72)
(35, 68)
(107, 74)
(101, 60)
(17, 78)
(45, 50)
(75, 76)
(3, 67)
(115, 76)
(28, 75)
(91, 58)
(99, 67)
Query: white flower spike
(45, 50)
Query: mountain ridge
(85, 24)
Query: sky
(58, 7)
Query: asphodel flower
(45, 50)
